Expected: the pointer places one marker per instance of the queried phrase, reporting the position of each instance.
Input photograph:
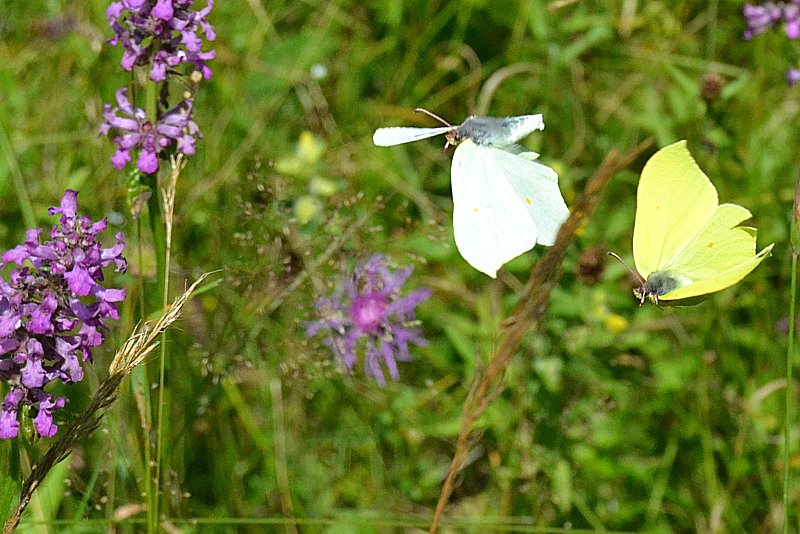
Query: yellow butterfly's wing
(674, 200)
(684, 243)
(717, 256)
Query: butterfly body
(658, 284)
(503, 202)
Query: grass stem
(789, 405)
(529, 312)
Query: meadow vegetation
(612, 417)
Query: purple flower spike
(53, 312)
(162, 34)
(44, 420)
(135, 132)
(761, 18)
(9, 425)
(369, 316)
(791, 13)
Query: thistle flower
(368, 316)
(162, 34)
(137, 133)
(52, 312)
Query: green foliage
(47, 501)
(9, 480)
(613, 416)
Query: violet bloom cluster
(53, 312)
(368, 316)
(135, 132)
(762, 17)
(162, 34)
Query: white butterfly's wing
(522, 125)
(491, 226)
(502, 205)
(521, 151)
(536, 186)
(499, 131)
(401, 135)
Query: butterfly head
(643, 293)
(656, 284)
(454, 137)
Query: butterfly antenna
(634, 273)
(438, 118)
(433, 115)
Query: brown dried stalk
(133, 352)
(528, 313)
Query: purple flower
(761, 18)
(53, 312)
(793, 76)
(162, 34)
(135, 132)
(9, 425)
(367, 315)
(44, 419)
(791, 13)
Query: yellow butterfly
(685, 244)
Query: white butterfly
(503, 202)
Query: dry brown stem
(528, 313)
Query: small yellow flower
(309, 147)
(306, 208)
(615, 323)
(308, 151)
(322, 186)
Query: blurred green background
(615, 417)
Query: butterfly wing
(536, 187)
(502, 205)
(499, 131)
(718, 256)
(674, 199)
(401, 135)
(521, 151)
(522, 125)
